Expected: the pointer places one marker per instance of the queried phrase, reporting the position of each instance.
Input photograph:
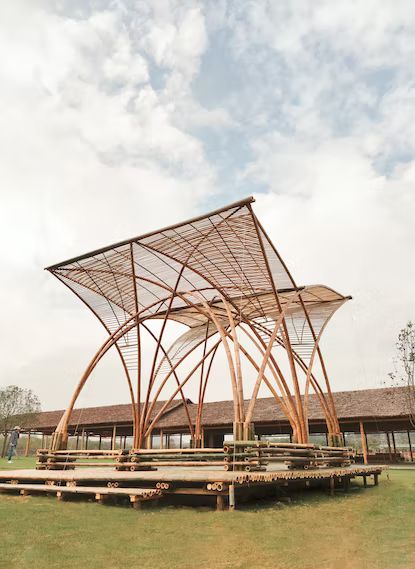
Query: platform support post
(363, 439)
(100, 498)
(364, 481)
(331, 486)
(220, 504)
(135, 502)
(376, 479)
(232, 502)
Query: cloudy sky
(118, 117)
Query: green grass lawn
(365, 529)
(18, 462)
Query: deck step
(136, 493)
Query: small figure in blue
(14, 437)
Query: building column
(364, 442)
(389, 446)
(100, 439)
(393, 442)
(27, 444)
(114, 437)
(161, 438)
(411, 458)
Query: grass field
(365, 529)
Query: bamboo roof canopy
(221, 277)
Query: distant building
(382, 414)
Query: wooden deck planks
(198, 475)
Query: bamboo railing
(248, 456)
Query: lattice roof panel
(225, 253)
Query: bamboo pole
(237, 356)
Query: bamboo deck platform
(214, 484)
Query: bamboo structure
(221, 277)
(223, 487)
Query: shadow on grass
(301, 497)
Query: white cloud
(120, 117)
(91, 154)
(325, 97)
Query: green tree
(17, 406)
(404, 373)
